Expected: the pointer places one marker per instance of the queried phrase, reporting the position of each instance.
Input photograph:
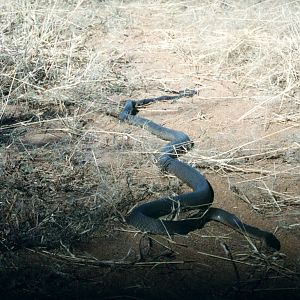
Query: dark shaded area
(107, 269)
(60, 281)
(45, 205)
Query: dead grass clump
(33, 47)
(44, 53)
(252, 43)
(52, 191)
(45, 204)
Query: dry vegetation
(65, 63)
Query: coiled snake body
(146, 216)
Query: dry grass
(47, 76)
(64, 63)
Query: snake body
(146, 216)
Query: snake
(148, 216)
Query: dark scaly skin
(146, 216)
